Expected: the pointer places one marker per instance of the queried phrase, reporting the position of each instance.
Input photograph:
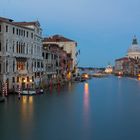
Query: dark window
(27, 79)
(46, 55)
(0, 68)
(27, 34)
(6, 28)
(17, 79)
(17, 31)
(38, 64)
(13, 79)
(32, 35)
(13, 30)
(6, 45)
(43, 54)
(0, 46)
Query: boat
(99, 75)
(2, 99)
(31, 91)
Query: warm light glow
(86, 89)
(139, 78)
(24, 81)
(86, 105)
(30, 99)
(24, 100)
(86, 75)
(30, 80)
(69, 75)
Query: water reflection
(69, 86)
(86, 104)
(27, 107)
(27, 116)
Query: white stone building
(20, 53)
(134, 50)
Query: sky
(103, 29)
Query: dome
(134, 50)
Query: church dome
(134, 50)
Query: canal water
(99, 109)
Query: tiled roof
(123, 58)
(5, 19)
(57, 38)
(10, 21)
(28, 23)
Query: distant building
(20, 53)
(109, 69)
(134, 50)
(130, 64)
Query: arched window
(17, 47)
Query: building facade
(57, 62)
(21, 58)
(66, 44)
(130, 64)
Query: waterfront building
(21, 58)
(66, 44)
(57, 62)
(109, 69)
(134, 50)
(130, 64)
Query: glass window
(17, 31)
(0, 68)
(0, 46)
(13, 30)
(27, 34)
(6, 28)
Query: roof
(123, 58)
(10, 21)
(24, 23)
(57, 38)
(5, 19)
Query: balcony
(22, 72)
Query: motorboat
(2, 99)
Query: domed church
(134, 50)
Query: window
(27, 34)
(13, 79)
(0, 46)
(13, 46)
(38, 64)
(17, 79)
(6, 28)
(13, 30)
(46, 55)
(7, 45)
(0, 68)
(27, 79)
(43, 54)
(17, 47)
(13, 66)
(17, 31)
(24, 33)
(32, 35)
